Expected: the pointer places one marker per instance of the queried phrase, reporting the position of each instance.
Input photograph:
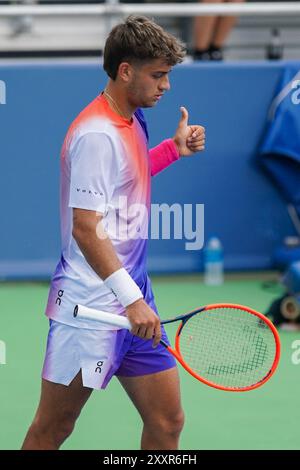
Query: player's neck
(118, 102)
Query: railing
(113, 8)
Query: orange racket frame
(177, 354)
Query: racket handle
(103, 317)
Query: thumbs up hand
(188, 139)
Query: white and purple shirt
(105, 167)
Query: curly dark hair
(139, 40)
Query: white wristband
(124, 287)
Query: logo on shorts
(98, 368)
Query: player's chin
(150, 102)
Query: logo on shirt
(59, 297)
(2, 92)
(89, 191)
(98, 368)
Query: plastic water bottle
(213, 262)
(275, 47)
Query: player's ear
(125, 71)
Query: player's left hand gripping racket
(225, 346)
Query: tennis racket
(226, 346)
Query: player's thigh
(155, 395)
(60, 402)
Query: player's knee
(176, 423)
(65, 427)
(56, 430)
(170, 425)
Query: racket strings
(229, 347)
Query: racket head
(228, 346)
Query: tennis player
(106, 169)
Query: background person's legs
(223, 27)
(157, 399)
(204, 27)
(211, 32)
(59, 407)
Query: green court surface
(266, 418)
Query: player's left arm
(188, 140)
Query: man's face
(148, 83)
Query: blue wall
(230, 100)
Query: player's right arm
(99, 252)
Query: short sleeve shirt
(104, 168)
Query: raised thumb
(184, 116)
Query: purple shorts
(138, 357)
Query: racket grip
(103, 317)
